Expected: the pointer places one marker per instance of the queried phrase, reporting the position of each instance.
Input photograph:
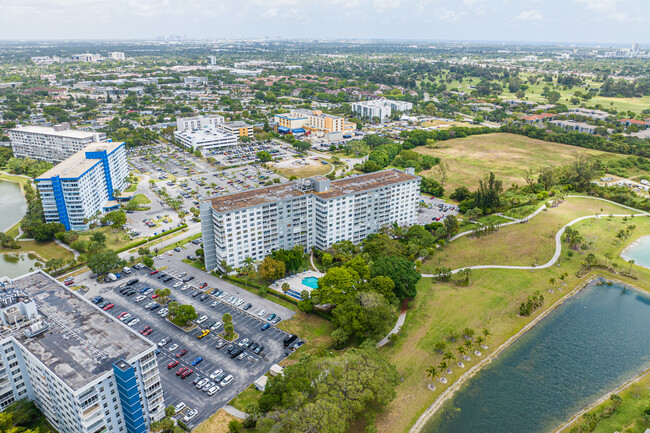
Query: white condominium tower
(51, 144)
(307, 212)
(86, 371)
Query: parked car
(108, 307)
(202, 334)
(220, 344)
(247, 306)
(186, 373)
(134, 322)
(216, 373)
(164, 341)
(201, 319)
(154, 272)
(227, 380)
(271, 317)
(180, 371)
(197, 361)
(146, 328)
(203, 285)
(266, 326)
(203, 297)
(259, 349)
(190, 415)
(173, 347)
(202, 382)
(181, 353)
(212, 391)
(261, 313)
(180, 406)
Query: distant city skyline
(552, 21)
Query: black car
(186, 279)
(130, 292)
(196, 293)
(203, 297)
(258, 350)
(155, 307)
(253, 346)
(231, 347)
(132, 281)
(235, 353)
(191, 257)
(123, 289)
(103, 304)
(247, 306)
(161, 275)
(167, 278)
(289, 340)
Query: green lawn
(249, 395)
(470, 158)
(47, 250)
(115, 239)
(140, 199)
(518, 244)
(313, 330)
(13, 178)
(13, 231)
(441, 310)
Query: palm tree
(486, 333)
(443, 366)
(468, 344)
(449, 357)
(631, 262)
(551, 281)
(480, 341)
(608, 256)
(461, 351)
(431, 371)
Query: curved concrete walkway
(400, 321)
(558, 250)
(235, 412)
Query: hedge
(278, 295)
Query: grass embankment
(249, 395)
(313, 330)
(505, 154)
(628, 416)
(15, 178)
(519, 244)
(314, 168)
(115, 239)
(45, 250)
(491, 301)
(217, 423)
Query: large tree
(336, 286)
(401, 271)
(102, 262)
(271, 269)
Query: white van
(126, 270)
(215, 389)
(112, 277)
(227, 380)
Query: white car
(126, 317)
(214, 304)
(180, 406)
(230, 299)
(241, 301)
(134, 322)
(216, 373)
(201, 319)
(177, 285)
(212, 391)
(234, 301)
(163, 312)
(243, 342)
(173, 347)
(148, 292)
(163, 342)
(226, 380)
(261, 313)
(215, 326)
(190, 415)
(202, 382)
(160, 257)
(223, 295)
(140, 298)
(182, 274)
(185, 287)
(170, 253)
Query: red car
(154, 296)
(181, 353)
(154, 272)
(122, 314)
(180, 371)
(69, 283)
(203, 286)
(186, 373)
(172, 364)
(147, 332)
(145, 329)
(108, 307)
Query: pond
(15, 265)
(589, 345)
(13, 204)
(639, 251)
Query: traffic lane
(176, 266)
(244, 371)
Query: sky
(567, 21)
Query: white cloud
(531, 15)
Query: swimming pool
(311, 282)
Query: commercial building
(198, 122)
(116, 55)
(86, 371)
(307, 212)
(379, 108)
(593, 114)
(205, 139)
(74, 191)
(195, 81)
(87, 57)
(52, 144)
(323, 125)
(538, 118)
(238, 128)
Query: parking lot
(247, 324)
(247, 153)
(435, 208)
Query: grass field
(442, 309)
(13, 178)
(47, 250)
(313, 330)
(217, 423)
(505, 154)
(315, 168)
(249, 395)
(447, 125)
(114, 239)
(519, 244)
(140, 199)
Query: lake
(15, 265)
(13, 204)
(639, 251)
(589, 345)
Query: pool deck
(295, 281)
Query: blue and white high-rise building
(80, 188)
